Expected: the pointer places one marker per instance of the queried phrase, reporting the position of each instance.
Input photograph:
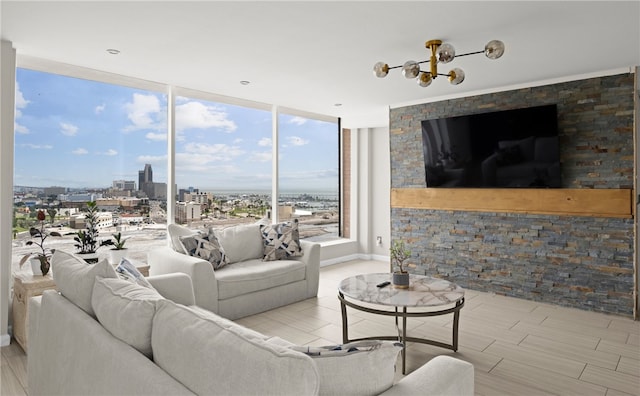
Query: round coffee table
(426, 296)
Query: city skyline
(84, 134)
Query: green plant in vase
(399, 254)
(40, 236)
(118, 251)
(86, 240)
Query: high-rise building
(145, 176)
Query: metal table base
(402, 332)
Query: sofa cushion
(281, 241)
(74, 278)
(252, 275)
(126, 310)
(214, 356)
(205, 247)
(175, 232)
(357, 368)
(241, 242)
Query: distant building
(145, 176)
(78, 221)
(55, 191)
(187, 211)
(124, 185)
(85, 197)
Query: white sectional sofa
(101, 335)
(246, 285)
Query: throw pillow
(126, 310)
(205, 247)
(241, 242)
(127, 271)
(74, 278)
(357, 368)
(281, 241)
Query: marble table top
(423, 291)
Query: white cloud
(80, 151)
(68, 129)
(21, 129)
(21, 103)
(261, 156)
(296, 141)
(213, 152)
(298, 121)
(152, 159)
(264, 142)
(238, 141)
(110, 152)
(99, 109)
(38, 146)
(196, 115)
(156, 136)
(143, 112)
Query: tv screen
(502, 149)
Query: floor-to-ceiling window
(223, 157)
(80, 140)
(308, 174)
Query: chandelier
(440, 53)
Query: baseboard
(5, 339)
(358, 256)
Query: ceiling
(314, 55)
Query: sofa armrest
(176, 287)
(442, 375)
(165, 260)
(311, 258)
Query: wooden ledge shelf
(564, 202)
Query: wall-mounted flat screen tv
(502, 149)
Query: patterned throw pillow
(205, 247)
(127, 270)
(357, 368)
(281, 241)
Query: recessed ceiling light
(245, 82)
(113, 51)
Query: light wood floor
(518, 347)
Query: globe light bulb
(380, 69)
(445, 53)
(494, 49)
(410, 69)
(425, 79)
(456, 76)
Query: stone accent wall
(582, 262)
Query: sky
(84, 134)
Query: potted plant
(40, 261)
(87, 240)
(399, 253)
(118, 250)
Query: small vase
(400, 280)
(35, 266)
(116, 255)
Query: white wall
(370, 199)
(7, 113)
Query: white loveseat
(102, 335)
(247, 285)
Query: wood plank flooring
(518, 347)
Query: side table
(25, 286)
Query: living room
(378, 139)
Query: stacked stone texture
(576, 261)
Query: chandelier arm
(470, 53)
